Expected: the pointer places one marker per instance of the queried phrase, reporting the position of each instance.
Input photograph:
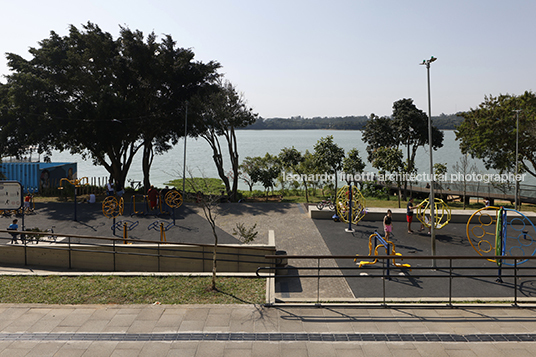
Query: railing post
(318, 283)
(114, 254)
(23, 238)
(450, 282)
(515, 282)
(158, 247)
(69, 242)
(383, 284)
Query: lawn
(129, 290)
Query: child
(388, 224)
(427, 221)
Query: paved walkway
(250, 330)
(246, 330)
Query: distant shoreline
(441, 122)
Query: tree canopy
(101, 97)
(488, 132)
(407, 127)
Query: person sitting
(14, 227)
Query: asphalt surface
(406, 282)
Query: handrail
(514, 270)
(256, 255)
(120, 239)
(402, 257)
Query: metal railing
(382, 273)
(159, 249)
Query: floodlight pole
(517, 158)
(432, 181)
(184, 161)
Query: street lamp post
(517, 158)
(184, 161)
(432, 198)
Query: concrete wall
(399, 214)
(168, 258)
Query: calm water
(257, 143)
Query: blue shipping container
(37, 175)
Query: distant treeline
(443, 122)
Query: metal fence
(450, 268)
(111, 246)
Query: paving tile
(44, 349)
(267, 349)
(486, 350)
(69, 352)
(123, 320)
(155, 349)
(218, 320)
(320, 349)
(100, 349)
(91, 325)
(14, 352)
(196, 314)
(293, 349)
(213, 349)
(141, 326)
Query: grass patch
(129, 290)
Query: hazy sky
(321, 58)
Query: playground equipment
(127, 226)
(174, 200)
(159, 225)
(144, 205)
(441, 212)
(500, 231)
(373, 251)
(112, 207)
(350, 205)
(76, 183)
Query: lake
(257, 143)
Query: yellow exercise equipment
(385, 244)
(112, 207)
(173, 199)
(342, 204)
(441, 212)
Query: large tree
(220, 113)
(407, 127)
(390, 163)
(328, 156)
(103, 98)
(353, 165)
(292, 160)
(488, 132)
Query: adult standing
(152, 194)
(409, 214)
(110, 188)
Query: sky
(314, 58)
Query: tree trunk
(306, 192)
(212, 139)
(147, 161)
(233, 155)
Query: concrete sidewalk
(248, 330)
